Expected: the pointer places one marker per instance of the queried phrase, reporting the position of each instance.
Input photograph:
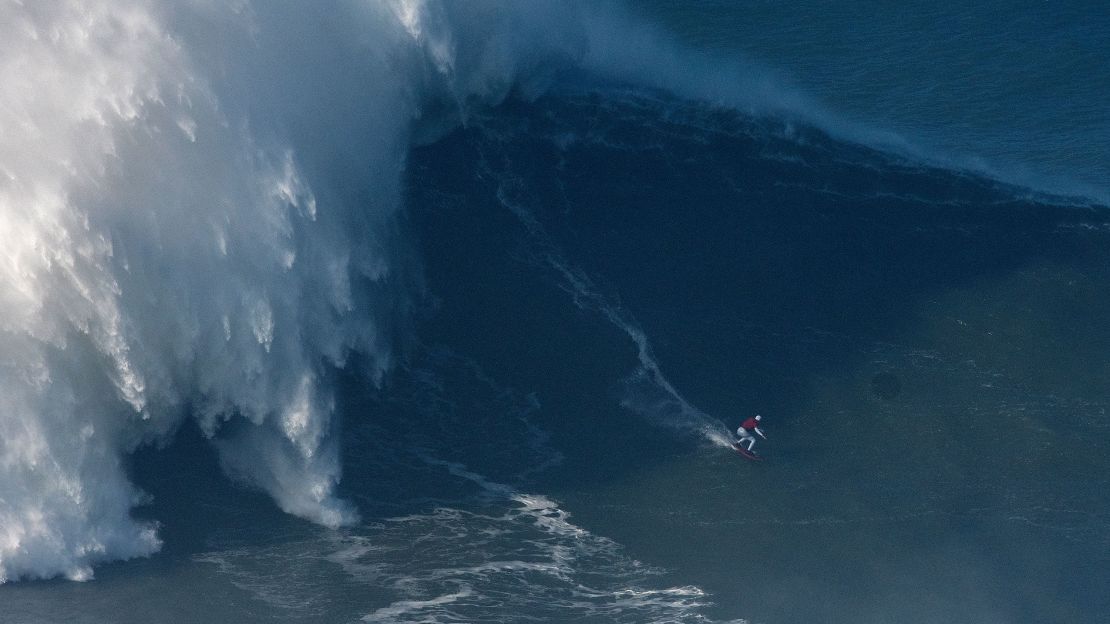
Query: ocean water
(1012, 89)
(423, 312)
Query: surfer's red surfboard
(746, 453)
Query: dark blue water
(611, 277)
(1013, 88)
(780, 272)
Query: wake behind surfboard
(746, 453)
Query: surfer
(746, 429)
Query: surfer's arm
(760, 432)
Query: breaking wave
(200, 215)
(199, 208)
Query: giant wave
(199, 206)
(201, 213)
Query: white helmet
(758, 417)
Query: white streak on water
(647, 389)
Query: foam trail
(647, 389)
(397, 610)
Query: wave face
(923, 343)
(513, 273)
